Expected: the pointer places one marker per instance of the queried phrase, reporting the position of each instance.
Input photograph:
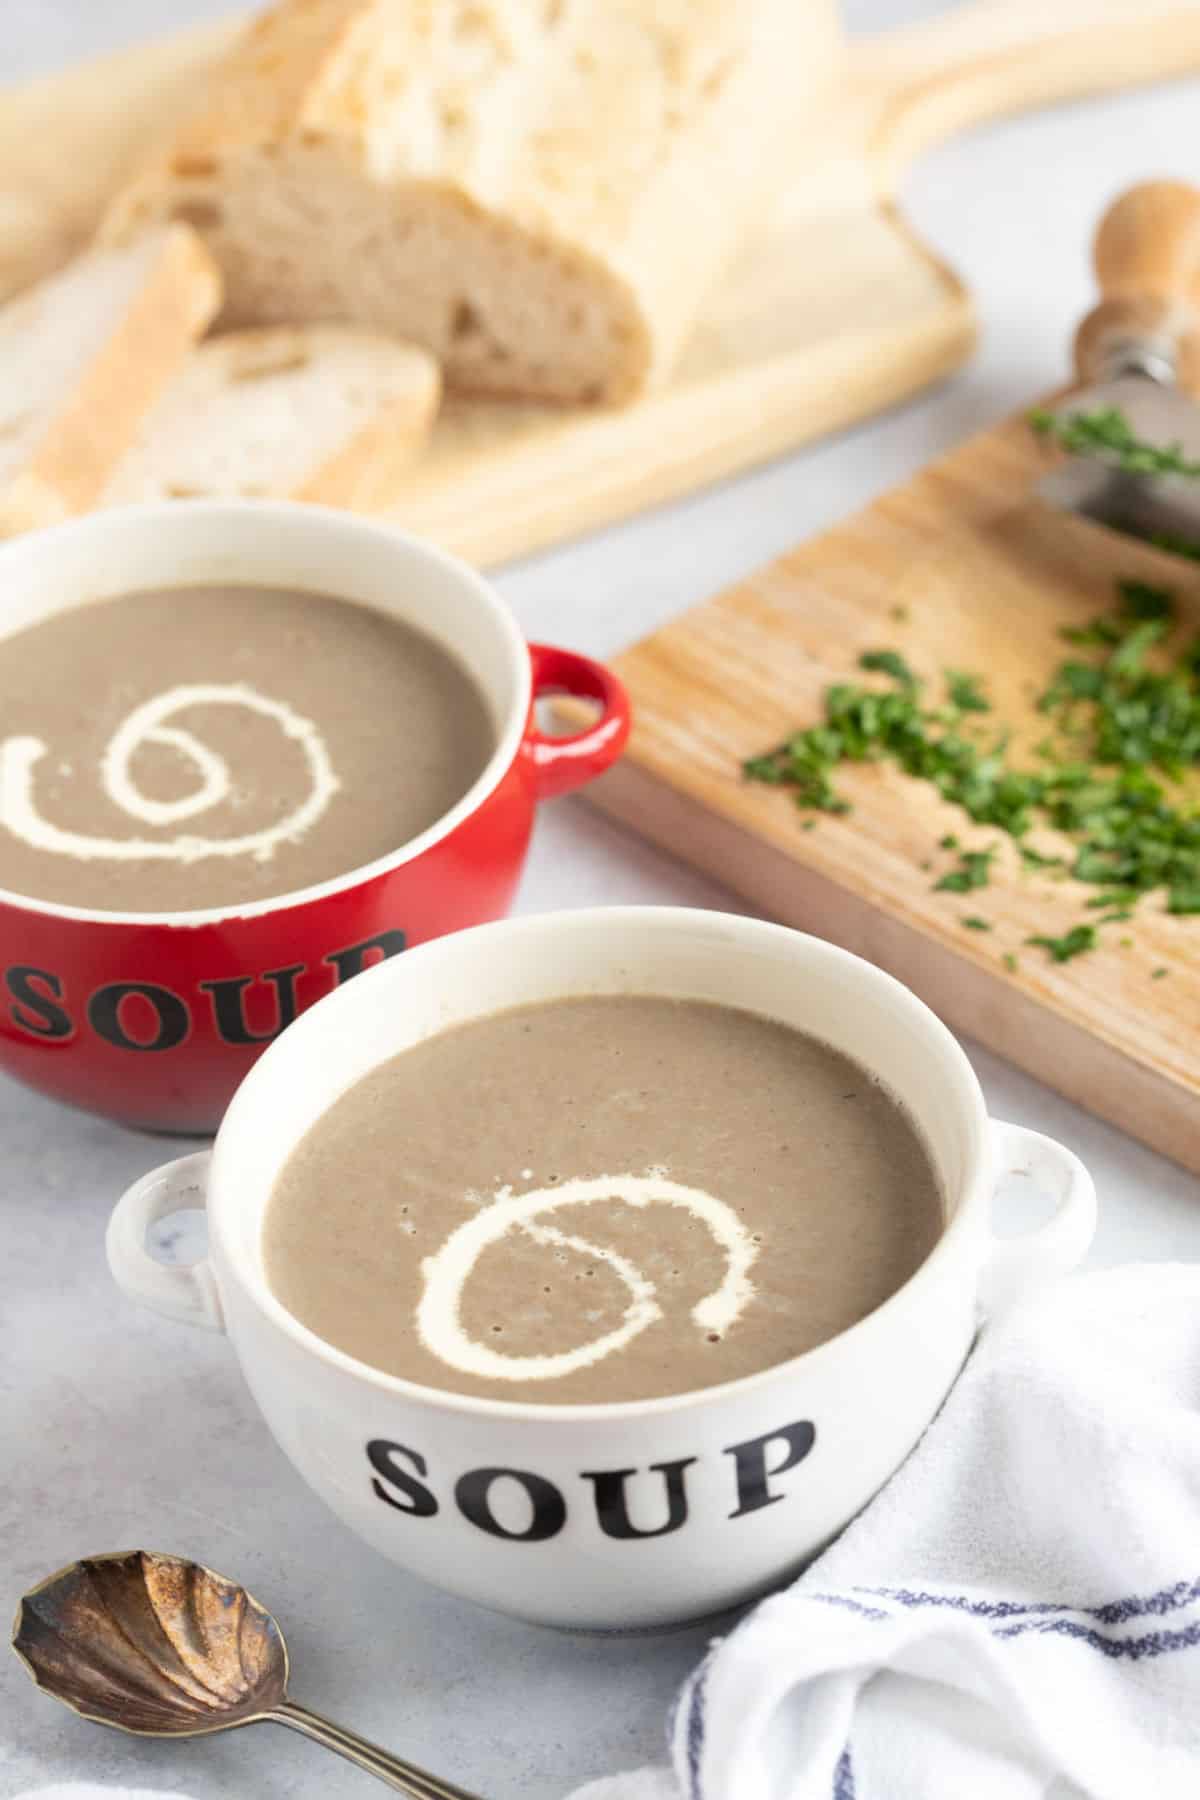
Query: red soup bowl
(154, 1018)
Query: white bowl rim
(971, 1194)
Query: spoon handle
(387, 1768)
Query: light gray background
(117, 1429)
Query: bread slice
(84, 355)
(316, 412)
(541, 192)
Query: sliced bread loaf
(317, 412)
(539, 191)
(84, 355)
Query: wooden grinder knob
(1147, 261)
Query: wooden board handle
(986, 59)
(1147, 260)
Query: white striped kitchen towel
(1017, 1615)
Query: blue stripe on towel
(694, 1727)
(1056, 1619)
(1115, 1612)
(850, 1605)
(1154, 1643)
(981, 1609)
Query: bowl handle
(181, 1291)
(563, 763)
(1016, 1264)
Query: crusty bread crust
(90, 427)
(367, 475)
(539, 191)
(327, 413)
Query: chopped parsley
(1072, 943)
(973, 922)
(974, 871)
(1096, 631)
(1141, 601)
(888, 662)
(1125, 724)
(1033, 859)
(965, 692)
(1107, 436)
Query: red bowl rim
(502, 759)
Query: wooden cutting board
(959, 568)
(836, 312)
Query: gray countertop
(118, 1429)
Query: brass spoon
(162, 1647)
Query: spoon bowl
(152, 1644)
(163, 1647)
